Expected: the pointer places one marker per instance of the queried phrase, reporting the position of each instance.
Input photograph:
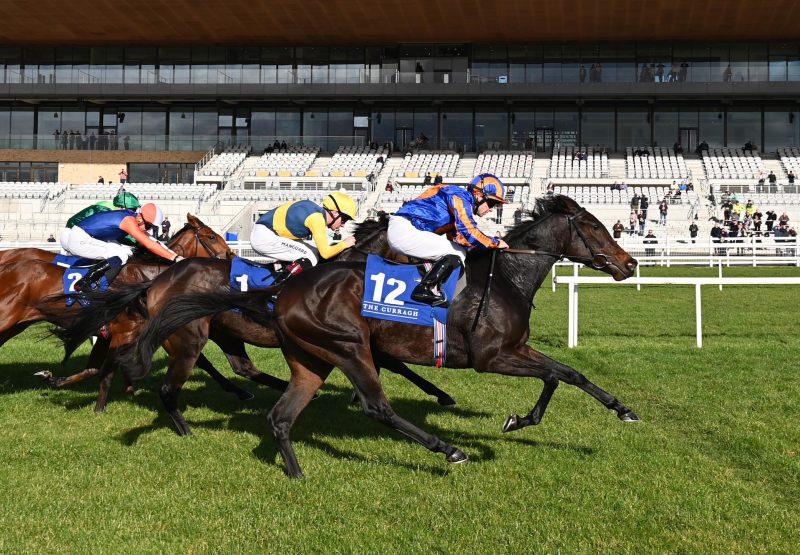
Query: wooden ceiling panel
(358, 22)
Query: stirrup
(425, 295)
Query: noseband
(598, 261)
(199, 239)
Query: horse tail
(102, 308)
(136, 359)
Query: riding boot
(109, 268)
(289, 270)
(435, 279)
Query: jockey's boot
(108, 268)
(435, 279)
(289, 270)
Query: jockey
(123, 201)
(418, 230)
(283, 233)
(98, 236)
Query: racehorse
(206, 275)
(33, 279)
(318, 318)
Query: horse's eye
(213, 238)
(596, 226)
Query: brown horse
(318, 317)
(9, 256)
(33, 278)
(203, 275)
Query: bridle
(598, 261)
(199, 239)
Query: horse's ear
(190, 218)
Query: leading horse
(318, 318)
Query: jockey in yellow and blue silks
(297, 232)
(439, 225)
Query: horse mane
(181, 230)
(368, 228)
(544, 206)
(141, 254)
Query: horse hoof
(100, 410)
(629, 416)
(457, 457)
(44, 374)
(246, 396)
(446, 401)
(512, 424)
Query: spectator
(618, 228)
(427, 180)
(582, 73)
(101, 180)
(56, 136)
(677, 148)
(165, 227)
(790, 178)
(660, 73)
(551, 188)
(644, 204)
(518, 216)
(623, 186)
(633, 219)
(283, 145)
(663, 207)
(773, 180)
(635, 202)
(51, 239)
(693, 231)
(123, 176)
(716, 237)
(727, 75)
(642, 222)
(757, 216)
(126, 142)
(784, 219)
(438, 180)
(771, 217)
(650, 239)
(92, 141)
(389, 188)
(748, 147)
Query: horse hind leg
(308, 374)
(362, 374)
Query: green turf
(714, 466)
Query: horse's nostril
(631, 265)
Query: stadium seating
(662, 163)
(505, 164)
(223, 165)
(790, 160)
(434, 163)
(732, 163)
(355, 161)
(289, 162)
(565, 163)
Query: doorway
(544, 139)
(687, 137)
(402, 137)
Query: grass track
(713, 468)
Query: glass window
(523, 125)
(633, 128)
(456, 130)
(665, 127)
(711, 124)
(143, 173)
(287, 125)
(781, 128)
(758, 62)
(565, 126)
(491, 130)
(383, 126)
(340, 129)
(262, 123)
(744, 126)
(315, 128)
(597, 128)
(22, 125)
(425, 128)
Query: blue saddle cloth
(247, 275)
(387, 293)
(75, 268)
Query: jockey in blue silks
(439, 225)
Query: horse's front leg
(525, 362)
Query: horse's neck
(375, 244)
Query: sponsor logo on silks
(387, 293)
(247, 275)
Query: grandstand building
(198, 93)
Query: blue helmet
(490, 185)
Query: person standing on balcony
(123, 176)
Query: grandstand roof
(361, 22)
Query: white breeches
(268, 243)
(79, 243)
(404, 238)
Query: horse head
(575, 234)
(197, 239)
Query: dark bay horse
(207, 275)
(33, 279)
(318, 318)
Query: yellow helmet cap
(342, 203)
